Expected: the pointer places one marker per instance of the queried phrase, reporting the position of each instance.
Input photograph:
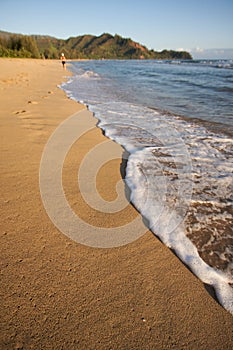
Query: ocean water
(175, 120)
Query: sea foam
(179, 172)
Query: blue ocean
(175, 120)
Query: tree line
(86, 46)
(19, 46)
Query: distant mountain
(105, 46)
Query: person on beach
(63, 60)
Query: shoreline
(58, 293)
(205, 264)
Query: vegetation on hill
(104, 46)
(14, 45)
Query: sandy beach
(59, 294)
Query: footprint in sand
(20, 112)
(33, 102)
(23, 114)
(49, 93)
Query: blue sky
(158, 24)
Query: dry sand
(59, 294)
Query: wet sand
(59, 294)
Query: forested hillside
(104, 46)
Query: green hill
(105, 46)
